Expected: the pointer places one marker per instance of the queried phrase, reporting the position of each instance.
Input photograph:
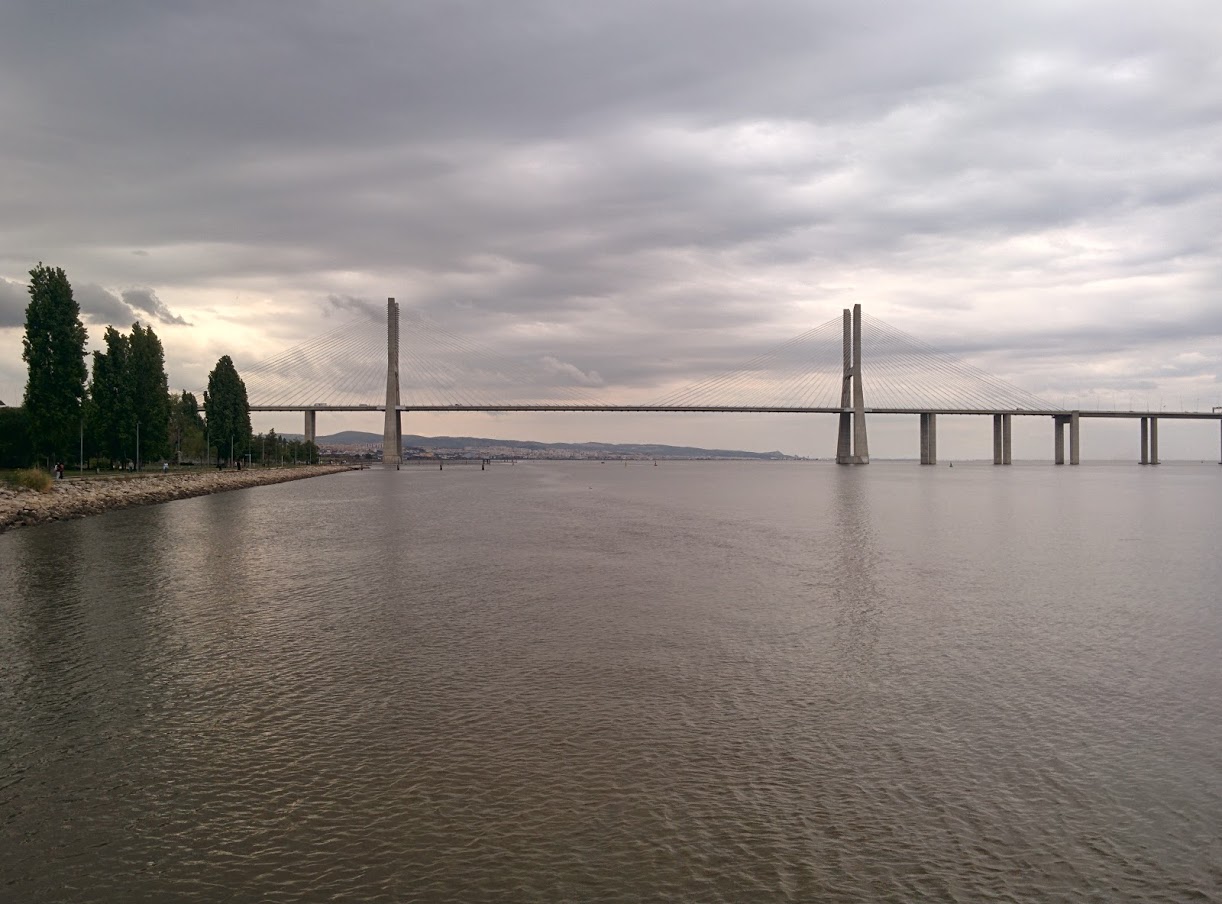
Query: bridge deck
(678, 409)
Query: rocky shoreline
(81, 497)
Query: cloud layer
(640, 193)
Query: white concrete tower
(861, 447)
(852, 447)
(392, 433)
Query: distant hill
(585, 450)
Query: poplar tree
(112, 399)
(54, 349)
(186, 426)
(15, 450)
(151, 392)
(227, 409)
(129, 390)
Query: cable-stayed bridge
(851, 366)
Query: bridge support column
(861, 448)
(1145, 441)
(929, 439)
(311, 426)
(1058, 430)
(1074, 457)
(1005, 439)
(844, 439)
(852, 447)
(392, 431)
(997, 439)
(844, 436)
(1154, 441)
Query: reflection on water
(700, 681)
(858, 596)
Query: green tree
(54, 349)
(189, 407)
(186, 427)
(150, 392)
(15, 448)
(272, 447)
(228, 409)
(112, 412)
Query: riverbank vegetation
(119, 412)
(66, 499)
(28, 479)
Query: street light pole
(137, 445)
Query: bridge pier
(392, 430)
(1149, 440)
(1058, 437)
(861, 449)
(1001, 439)
(929, 439)
(844, 436)
(311, 425)
(852, 447)
(1059, 421)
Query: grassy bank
(29, 479)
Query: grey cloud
(146, 300)
(96, 303)
(570, 372)
(14, 299)
(667, 187)
(348, 304)
(101, 306)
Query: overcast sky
(634, 195)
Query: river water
(590, 682)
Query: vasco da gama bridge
(851, 366)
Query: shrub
(32, 479)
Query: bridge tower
(852, 447)
(392, 433)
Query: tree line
(120, 411)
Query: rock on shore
(77, 498)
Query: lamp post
(137, 445)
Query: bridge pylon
(392, 432)
(852, 447)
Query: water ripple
(578, 683)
